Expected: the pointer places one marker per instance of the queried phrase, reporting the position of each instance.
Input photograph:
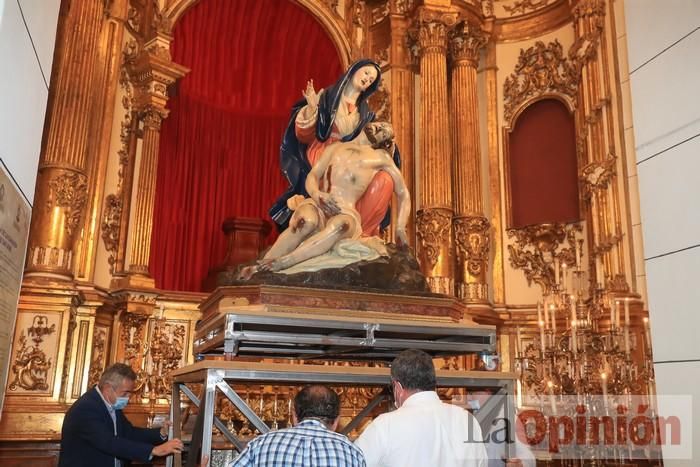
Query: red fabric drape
(542, 165)
(219, 148)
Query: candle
(542, 335)
(617, 314)
(627, 326)
(604, 386)
(518, 342)
(552, 402)
(539, 312)
(612, 314)
(556, 271)
(553, 309)
(574, 324)
(162, 311)
(647, 335)
(599, 275)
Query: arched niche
(333, 28)
(541, 163)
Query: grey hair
(115, 374)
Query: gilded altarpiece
(67, 333)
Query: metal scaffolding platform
(221, 376)
(257, 331)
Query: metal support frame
(220, 375)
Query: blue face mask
(474, 404)
(120, 403)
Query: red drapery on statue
(219, 148)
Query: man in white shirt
(423, 431)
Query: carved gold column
(471, 227)
(151, 72)
(62, 184)
(105, 86)
(597, 135)
(402, 101)
(434, 218)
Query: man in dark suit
(97, 434)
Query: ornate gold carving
(523, 6)
(69, 191)
(466, 39)
(541, 69)
(597, 176)
(403, 7)
(379, 13)
(472, 242)
(588, 8)
(114, 203)
(165, 352)
(52, 257)
(153, 117)
(111, 224)
(433, 230)
(31, 366)
(432, 31)
(441, 284)
(132, 338)
(381, 102)
(99, 346)
(487, 8)
(536, 247)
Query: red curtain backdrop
(542, 165)
(219, 148)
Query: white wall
(663, 41)
(27, 37)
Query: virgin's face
(364, 77)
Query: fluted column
(471, 227)
(62, 183)
(151, 72)
(434, 218)
(402, 103)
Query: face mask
(474, 404)
(120, 403)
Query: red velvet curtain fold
(219, 148)
(542, 166)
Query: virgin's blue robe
(293, 159)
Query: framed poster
(15, 215)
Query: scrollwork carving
(69, 191)
(524, 6)
(472, 242)
(381, 102)
(379, 13)
(433, 230)
(31, 365)
(541, 69)
(132, 337)
(536, 247)
(97, 364)
(597, 176)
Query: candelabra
(587, 348)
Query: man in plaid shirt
(312, 442)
